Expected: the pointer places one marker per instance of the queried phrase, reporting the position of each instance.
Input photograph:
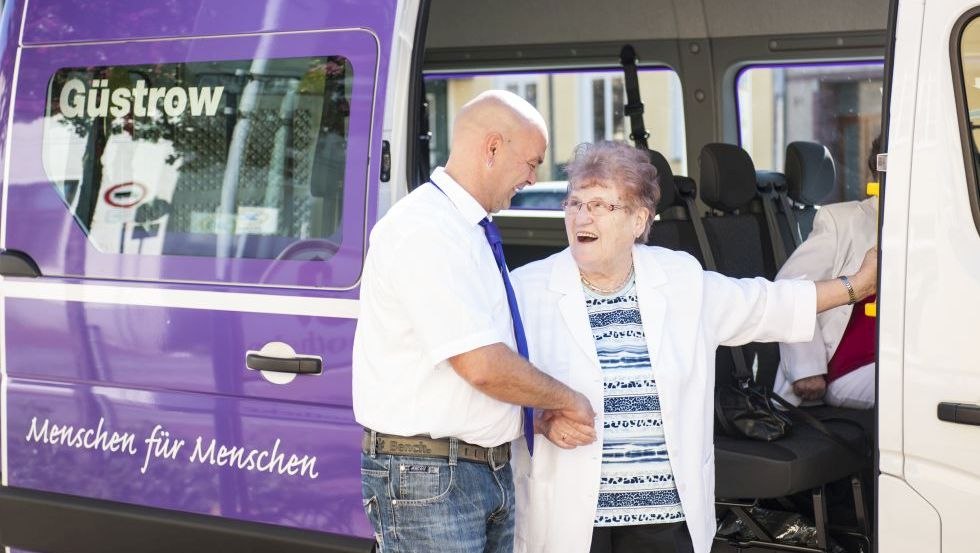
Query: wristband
(852, 298)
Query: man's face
(516, 165)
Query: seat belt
(786, 206)
(634, 107)
(688, 193)
(742, 372)
(766, 192)
(638, 134)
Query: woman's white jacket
(687, 313)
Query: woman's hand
(563, 431)
(833, 293)
(865, 281)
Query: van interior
(756, 114)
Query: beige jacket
(842, 234)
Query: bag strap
(817, 424)
(726, 426)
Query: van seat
(810, 176)
(673, 230)
(806, 459)
(739, 237)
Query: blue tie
(496, 244)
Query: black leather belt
(421, 446)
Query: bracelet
(852, 298)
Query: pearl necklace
(607, 291)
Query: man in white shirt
(436, 381)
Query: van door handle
(298, 365)
(960, 413)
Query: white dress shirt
(430, 290)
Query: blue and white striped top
(637, 483)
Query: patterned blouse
(637, 483)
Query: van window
(837, 105)
(234, 159)
(969, 60)
(578, 106)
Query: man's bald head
(496, 111)
(499, 140)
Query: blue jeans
(431, 505)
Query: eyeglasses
(597, 208)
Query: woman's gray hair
(623, 165)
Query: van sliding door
(198, 208)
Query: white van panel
(891, 321)
(906, 522)
(396, 107)
(942, 310)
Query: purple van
(188, 188)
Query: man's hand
(811, 388)
(563, 431)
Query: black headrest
(686, 187)
(666, 177)
(768, 181)
(727, 176)
(810, 172)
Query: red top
(857, 347)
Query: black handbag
(745, 408)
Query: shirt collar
(468, 207)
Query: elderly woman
(635, 328)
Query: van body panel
(893, 239)
(114, 355)
(190, 350)
(906, 522)
(91, 365)
(124, 527)
(942, 312)
(52, 22)
(298, 465)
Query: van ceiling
(478, 23)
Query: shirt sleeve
(757, 310)
(442, 293)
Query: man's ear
(491, 147)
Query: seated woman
(635, 328)
(838, 364)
